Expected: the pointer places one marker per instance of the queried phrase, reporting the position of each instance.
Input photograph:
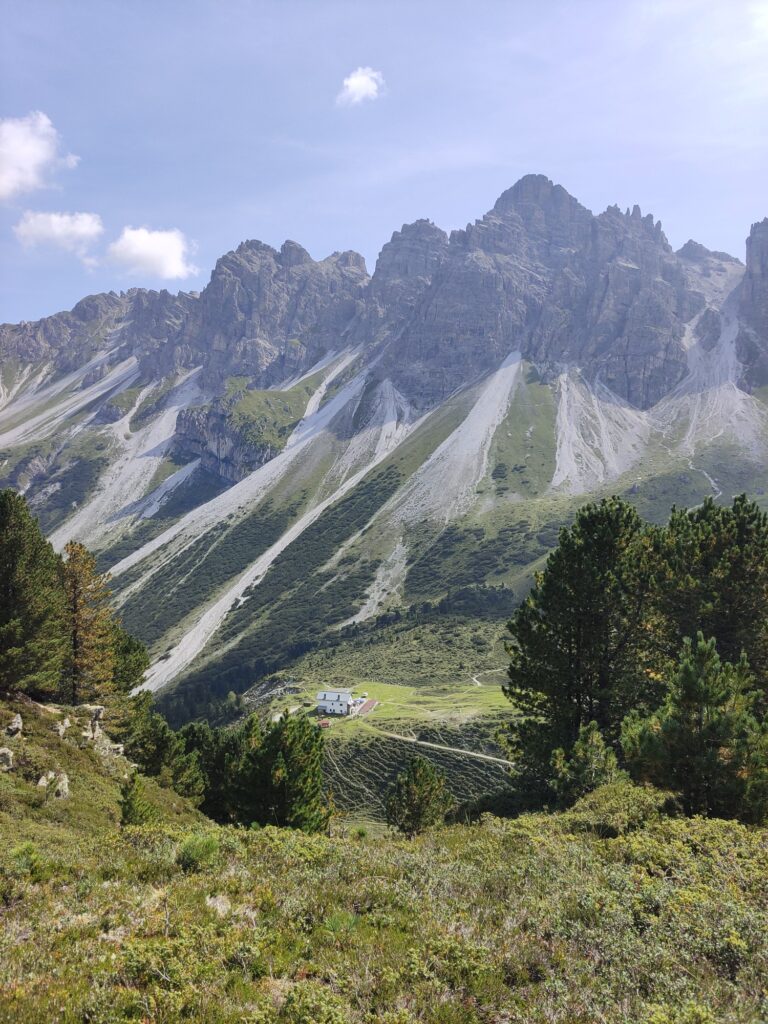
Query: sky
(140, 141)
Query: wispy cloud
(30, 149)
(74, 232)
(360, 85)
(163, 254)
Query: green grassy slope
(29, 811)
(606, 913)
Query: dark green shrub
(617, 808)
(197, 852)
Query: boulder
(61, 792)
(93, 730)
(6, 759)
(15, 727)
(61, 727)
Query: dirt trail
(441, 746)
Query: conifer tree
(704, 741)
(32, 632)
(712, 575)
(135, 809)
(293, 752)
(90, 662)
(578, 642)
(220, 752)
(419, 798)
(592, 763)
(249, 785)
(131, 659)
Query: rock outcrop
(208, 434)
(55, 784)
(753, 307)
(15, 726)
(267, 314)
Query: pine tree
(135, 809)
(249, 790)
(131, 659)
(419, 798)
(90, 663)
(293, 752)
(712, 575)
(705, 741)
(218, 751)
(592, 763)
(32, 633)
(578, 642)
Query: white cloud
(158, 253)
(361, 84)
(29, 150)
(75, 232)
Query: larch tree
(32, 607)
(90, 662)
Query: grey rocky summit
(539, 273)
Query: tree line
(643, 650)
(61, 641)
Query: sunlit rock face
(753, 307)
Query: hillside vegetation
(611, 911)
(207, 874)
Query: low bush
(197, 852)
(617, 808)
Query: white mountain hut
(334, 702)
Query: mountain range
(303, 448)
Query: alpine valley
(308, 475)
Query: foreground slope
(608, 912)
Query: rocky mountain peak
(349, 260)
(292, 254)
(266, 314)
(413, 251)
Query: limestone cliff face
(541, 274)
(753, 307)
(69, 339)
(207, 434)
(404, 271)
(148, 324)
(267, 314)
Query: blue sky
(178, 128)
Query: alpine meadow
(383, 647)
